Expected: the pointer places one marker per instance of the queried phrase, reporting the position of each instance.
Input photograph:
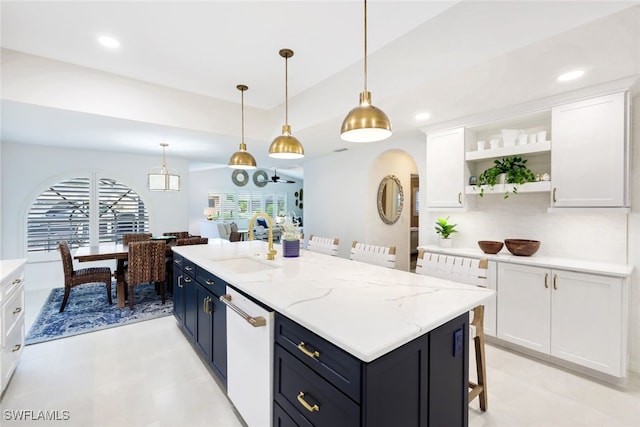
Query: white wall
(341, 189)
(27, 170)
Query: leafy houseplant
(444, 229)
(516, 171)
(290, 239)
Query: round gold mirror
(390, 199)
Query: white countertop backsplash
(585, 266)
(367, 310)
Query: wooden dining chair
(372, 254)
(146, 265)
(192, 241)
(73, 278)
(323, 245)
(135, 237)
(472, 272)
(177, 234)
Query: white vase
(445, 243)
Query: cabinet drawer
(334, 364)
(11, 283)
(178, 261)
(281, 418)
(211, 282)
(11, 351)
(307, 397)
(12, 311)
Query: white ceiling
(208, 47)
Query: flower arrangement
(290, 231)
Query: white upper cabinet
(445, 169)
(589, 157)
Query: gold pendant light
(242, 159)
(286, 146)
(162, 178)
(365, 123)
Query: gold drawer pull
(555, 282)
(177, 261)
(17, 310)
(16, 281)
(210, 282)
(554, 194)
(311, 354)
(188, 268)
(314, 408)
(16, 347)
(180, 281)
(187, 279)
(546, 278)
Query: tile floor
(146, 374)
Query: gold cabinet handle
(188, 268)
(16, 281)
(16, 347)
(554, 194)
(205, 305)
(546, 280)
(180, 281)
(311, 354)
(17, 310)
(210, 282)
(555, 281)
(459, 198)
(177, 261)
(314, 408)
(187, 279)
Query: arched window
(74, 209)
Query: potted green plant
(290, 239)
(515, 171)
(445, 230)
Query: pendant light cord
(365, 45)
(242, 104)
(286, 90)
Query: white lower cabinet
(577, 317)
(11, 317)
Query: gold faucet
(271, 255)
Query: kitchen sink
(245, 264)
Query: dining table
(112, 251)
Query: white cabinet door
(445, 169)
(524, 306)
(589, 153)
(587, 319)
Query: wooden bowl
(490, 247)
(522, 247)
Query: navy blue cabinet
(422, 383)
(200, 313)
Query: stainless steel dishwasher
(249, 358)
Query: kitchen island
(383, 346)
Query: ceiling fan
(277, 180)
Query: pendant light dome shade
(286, 146)
(365, 123)
(242, 159)
(162, 178)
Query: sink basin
(245, 264)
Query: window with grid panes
(71, 209)
(234, 206)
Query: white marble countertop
(366, 310)
(619, 270)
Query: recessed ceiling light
(422, 116)
(571, 75)
(109, 42)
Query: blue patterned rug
(88, 310)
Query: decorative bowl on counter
(522, 247)
(490, 246)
